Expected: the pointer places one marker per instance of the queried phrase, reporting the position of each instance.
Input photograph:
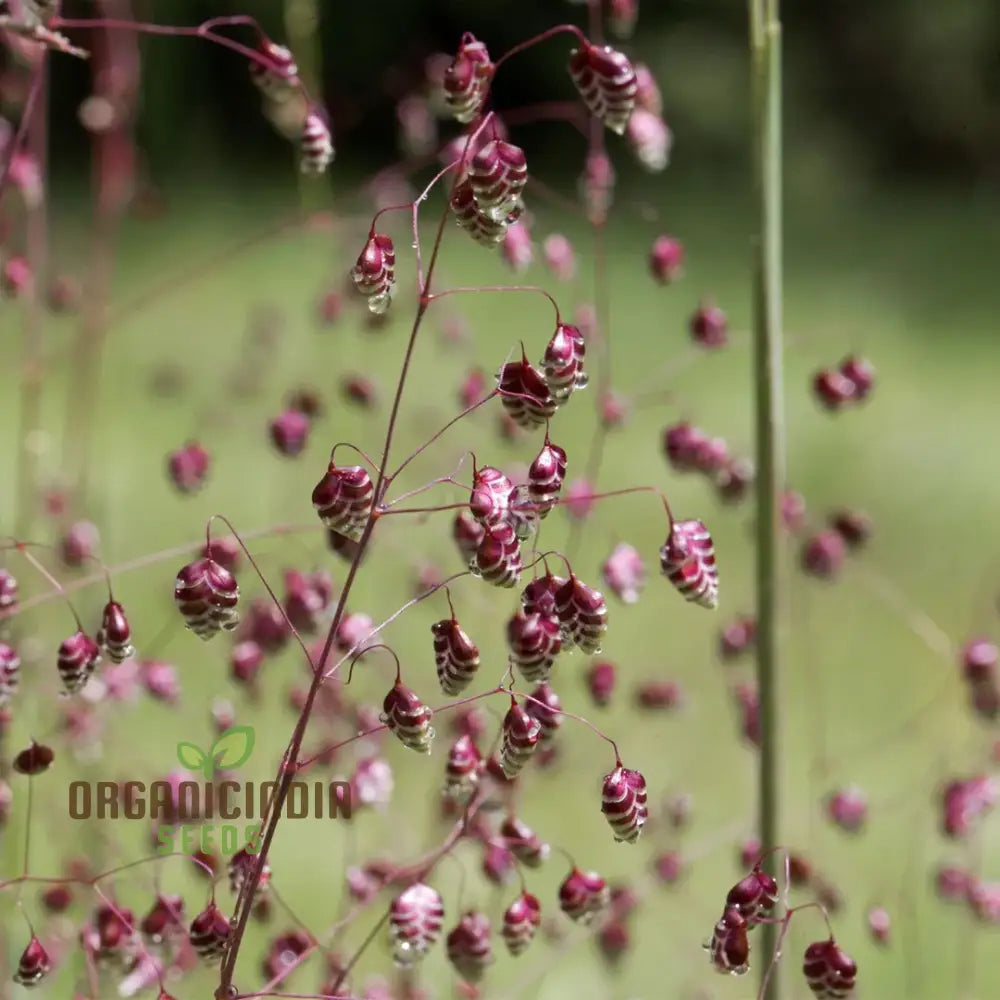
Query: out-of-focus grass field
(904, 278)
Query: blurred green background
(893, 230)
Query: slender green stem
(765, 36)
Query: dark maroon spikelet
(583, 614)
(165, 917)
(860, 373)
(374, 273)
(606, 81)
(683, 445)
(469, 946)
(830, 972)
(519, 739)
(539, 596)
(520, 923)
(498, 173)
(854, 526)
(563, 361)
(523, 842)
(78, 658)
(209, 933)
(467, 533)
(408, 717)
(416, 916)
(207, 596)
(455, 655)
(623, 802)
(489, 501)
(344, 498)
(115, 635)
(10, 673)
(833, 389)
(534, 642)
(36, 758)
(188, 467)
(463, 769)
(546, 475)
(601, 680)
(754, 896)
(487, 232)
(687, 559)
(33, 965)
(709, 326)
(242, 866)
(823, 554)
(525, 395)
(729, 949)
(467, 79)
(289, 432)
(582, 895)
(498, 556)
(544, 706)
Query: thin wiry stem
(765, 41)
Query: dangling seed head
(344, 498)
(78, 658)
(207, 597)
(115, 634)
(729, 949)
(416, 917)
(583, 895)
(520, 923)
(209, 933)
(408, 717)
(519, 739)
(623, 802)
(455, 655)
(374, 273)
(606, 82)
(466, 81)
(687, 560)
(469, 946)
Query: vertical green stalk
(765, 42)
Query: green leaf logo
(232, 748)
(192, 757)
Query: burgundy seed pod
(534, 642)
(498, 174)
(979, 660)
(8, 591)
(290, 432)
(984, 901)
(539, 596)
(489, 502)
(669, 867)
(614, 941)
(659, 695)
(408, 717)
(306, 598)
(416, 916)
(624, 573)
(830, 972)
(469, 946)
(687, 559)
(79, 543)
(344, 498)
(281, 73)
(583, 614)
(545, 476)
(682, 444)
(315, 144)
(860, 373)
(833, 389)
(165, 916)
(848, 809)
(487, 232)
(709, 326)
(711, 455)
(854, 526)
(498, 864)
(359, 390)
(582, 895)
(650, 139)
(10, 673)
(265, 625)
(209, 933)
(225, 551)
(33, 965)
(241, 866)
(737, 638)
(35, 759)
(523, 842)
(374, 273)
(467, 533)
(188, 467)
(464, 767)
(455, 655)
(115, 937)
(606, 81)
(57, 898)
(733, 481)
(544, 706)
(498, 556)
(520, 923)
(729, 949)
(601, 679)
(467, 80)
(559, 257)
(666, 259)
(525, 394)
(596, 186)
(563, 361)
(754, 896)
(207, 596)
(823, 554)
(115, 634)
(623, 802)
(78, 658)
(519, 739)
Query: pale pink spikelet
(416, 917)
(829, 971)
(498, 556)
(115, 634)
(623, 802)
(526, 394)
(544, 706)
(579, 500)
(372, 782)
(207, 597)
(408, 717)
(606, 82)
(466, 81)
(519, 739)
(848, 808)
(563, 362)
(557, 251)
(596, 188)
(687, 560)
(188, 467)
(666, 259)
(523, 842)
(8, 591)
(315, 144)
(77, 659)
(374, 272)
(622, 17)
(456, 656)
(650, 139)
(418, 131)
(624, 573)
(469, 946)
(583, 895)
(879, 925)
(729, 948)
(534, 642)
(521, 921)
(344, 498)
(517, 249)
(647, 94)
